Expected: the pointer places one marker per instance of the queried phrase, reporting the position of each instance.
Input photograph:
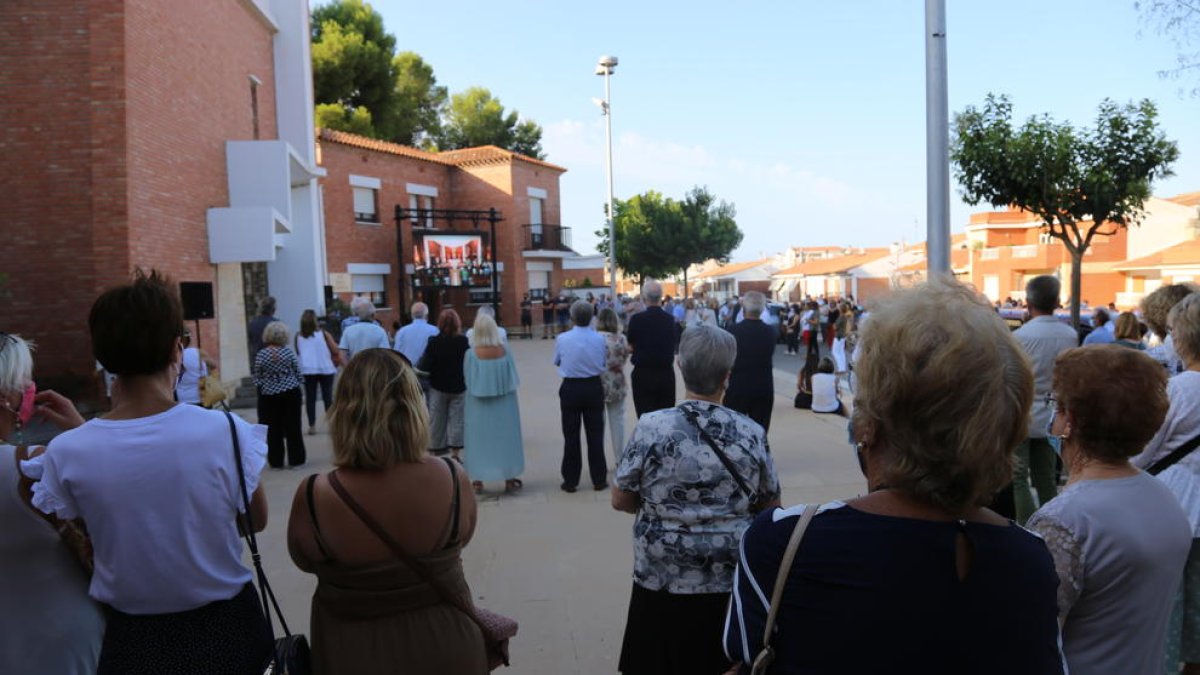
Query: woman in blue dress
(494, 450)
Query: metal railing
(544, 237)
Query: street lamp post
(605, 67)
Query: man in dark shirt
(266, 316)
(652, 337)
(752, 385)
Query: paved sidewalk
(560, 563)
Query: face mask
(1054, 441)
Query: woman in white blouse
(156, 483)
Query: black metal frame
(452, 216)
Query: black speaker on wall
(197, 297)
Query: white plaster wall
(1166, 224)
(231, 322)
(297, 276)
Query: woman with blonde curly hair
(918, 570)
(372, 613)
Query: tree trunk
(1076, 285)
(687, 291)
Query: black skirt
(227, 637)
(668, 633)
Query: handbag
(766, 655)
(756, 500)
(291, 654)
(212, 392)
(1171, 459)
(497, 629)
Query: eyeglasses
(1051, 402)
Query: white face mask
(1054, 441)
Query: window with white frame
(422, 198)
(366, 198)
(371, 286)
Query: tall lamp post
(604, 68)
(937, 141)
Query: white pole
(937, 139)
(612, 232)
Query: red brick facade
(116, 114)
(475, 179)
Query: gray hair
(16, 364)
(753, 304)
(652, 292)
(420, 310)
(276, 333)
(362, 307)
(266, 306)
(1184, 320)
(581, 312)
(1041, 293)
(706, 355)
(486, 310)
(485, 333)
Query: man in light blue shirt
(366, 334)
(412, 339)
(1102, 332)
(581, 355)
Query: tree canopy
(362, 85)
(1079, 182)
(659, 236)
(1178, 21)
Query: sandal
(478, 486)
(513, 485)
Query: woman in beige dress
(371, 613)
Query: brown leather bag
(497, 629)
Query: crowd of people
(122, 535)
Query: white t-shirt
(314, 355)
(824, 391)
(1181, 425)
(363, 335)
(159, 495)
(187, 390)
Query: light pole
(937, 140)
(605, 67)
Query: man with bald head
(652, 337)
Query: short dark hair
(1117, 415)
(1041, 293)
(135, 327)
(826, 366)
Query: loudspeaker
(197, 297)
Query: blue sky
(808, 116)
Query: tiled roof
(731, 269)
(959, 258)
(354, 140)
(490, 154)
(814, 268)
(1187, 199)
(1186, 253)
(486, 154)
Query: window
(536, 239)
(366, 198)
(364, 205)
(421, 198)
(371, 287)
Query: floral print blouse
(613, 377)
(692, 513)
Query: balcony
(554, 239)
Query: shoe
(598, 488)
(568, 488)
(312, 431)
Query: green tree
(339, 117)
(1178, 21)
(353, 63)
(646, 228)
(419, 101)
(710, 230)
(1080, 182)
(475, 117)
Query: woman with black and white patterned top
(277, 376)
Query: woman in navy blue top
(917, 576)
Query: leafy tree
(474, 117)
(645, 227)
(353, 63)
(1179, 21)
(337, 116)
(418, 99)
(1080, 182)
(710, 230)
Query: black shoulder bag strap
(729, 465)
(1176, 455)
(264, 588)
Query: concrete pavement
(561, 563)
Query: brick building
(161, 134)
(441, 263)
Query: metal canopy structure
(452, 218)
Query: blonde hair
(948, 399)
(276, 333)
(1127, 327)
(1185, 328)
(378, 418)
(1157, 305)
(484, 333)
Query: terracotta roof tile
(483, 155)
(1185, 253)
(1187, 199)
(730, 269)
(834, 265)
